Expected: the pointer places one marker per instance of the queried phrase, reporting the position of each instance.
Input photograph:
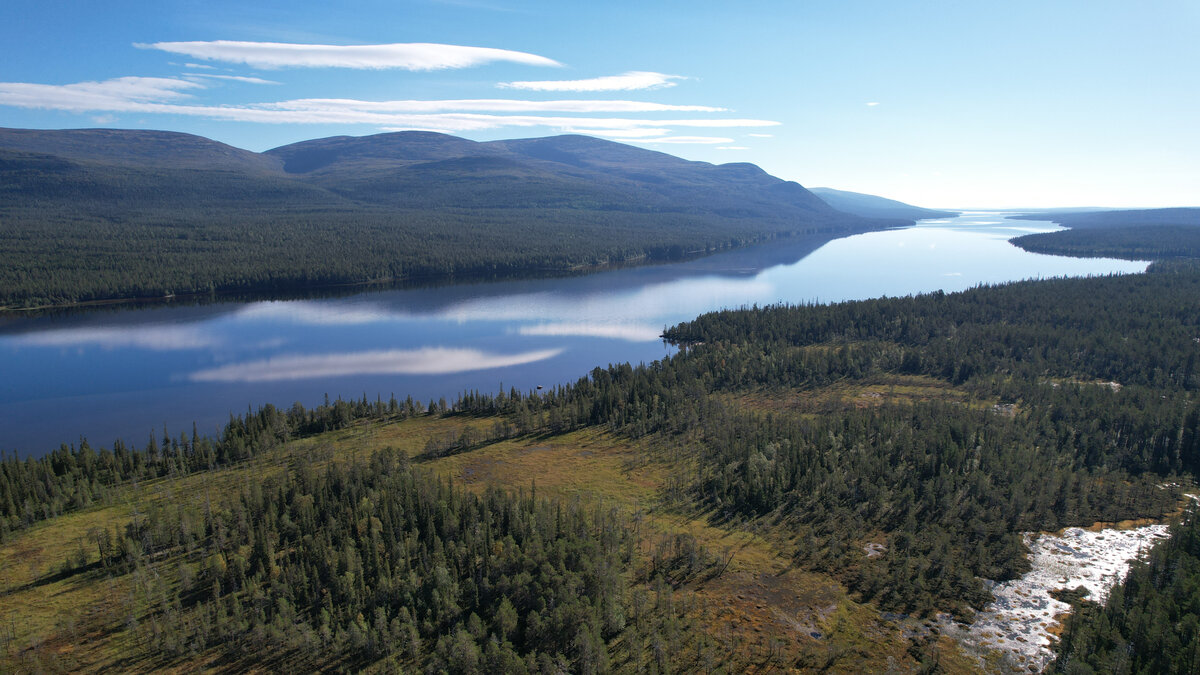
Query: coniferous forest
(890, 452)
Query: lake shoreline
(424, 281)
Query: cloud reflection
(155, 338)
(425, 361)
(307, 312)
(630, 333)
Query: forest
(1148, 234)
(930, 430)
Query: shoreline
(425, 281)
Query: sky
(952, 104)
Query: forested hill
(102, 214)
(1142, 234)
(871, 206)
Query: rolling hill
(101, 214)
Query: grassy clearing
(851, 394)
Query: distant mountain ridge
(603, 174)
(89, 208)
(871, 206)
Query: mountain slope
(103, 214)
(870, 206)
(135, 148)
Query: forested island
(799, 487)
(104, 214)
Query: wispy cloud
(633, 80)
(648, 132)
(469, 122)
(872, 104)
(761, 135)
(426, 361)
(174, 96)
(486, 105)
(116, 95)
(233, 78)
(686, 140)
(404, 56)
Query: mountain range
(97, 214)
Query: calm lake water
(125, 373)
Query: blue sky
(950, 104)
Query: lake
(127, 372)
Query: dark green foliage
(70, 478)
(1147, 242)
(1150, 622)
(1135, 330)
(366, 562)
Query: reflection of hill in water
(421, 299)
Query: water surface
(126, 373)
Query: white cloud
(233, 78)
(761, 135)
(872, 104)
(425, 361)
(696, 140)
(485, 105)
(630, 81)
(648, 132)
(168, 96)
(405, 56)
(116, 95)
(474, 122)
(199, 65)
(628, 332)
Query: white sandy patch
(1017, 624)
